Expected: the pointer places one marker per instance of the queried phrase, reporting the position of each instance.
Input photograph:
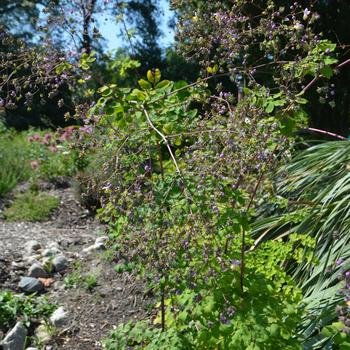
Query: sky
(111, 32)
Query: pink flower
(34, 164)
(30, 138)
(36, 137)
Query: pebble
(32, 349)
(30, 285)
(36, 271)
(58, 285)
(59, 318)
(15, 339)
(17, 265)
(60, 263)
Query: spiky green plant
(313, 197)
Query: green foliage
(313, 200)
(52, 155)
(14, 157)
(31, 206)
(216, 315)
(15, 307)
(78, 279)
(179, 216)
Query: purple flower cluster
(343, 309)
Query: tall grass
(14, 160)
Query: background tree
(333, 113)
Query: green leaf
(270, 107)
(178, 141)
(150, 76)
(157, 76)
(162, 84)
(144, 84)
(327, 72)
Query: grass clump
(14, 158)
(31, 206)
(77, 279)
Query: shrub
(18, 306)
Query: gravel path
(93, 313)
(70, 224)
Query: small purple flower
(86, 129)
(231, 311)
(224, 319)
(210, 324)
(306, 13)
(197, 298)
(339, 262)
(235, 262)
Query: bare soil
(116, 297)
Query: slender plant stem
(328, 133)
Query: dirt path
(92, 312)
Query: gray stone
(32, 246)
(15, 339)
(36, 271)
(30, 285)
(32, 259)
(60, 263)
(59, 318)
(43, 335)
(50, 252)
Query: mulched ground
(116, 298)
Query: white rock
(32, 246)
(101, 241)
(59, 318)
(32, 349)
(17, 265)
(16, 338)
(90, 248)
